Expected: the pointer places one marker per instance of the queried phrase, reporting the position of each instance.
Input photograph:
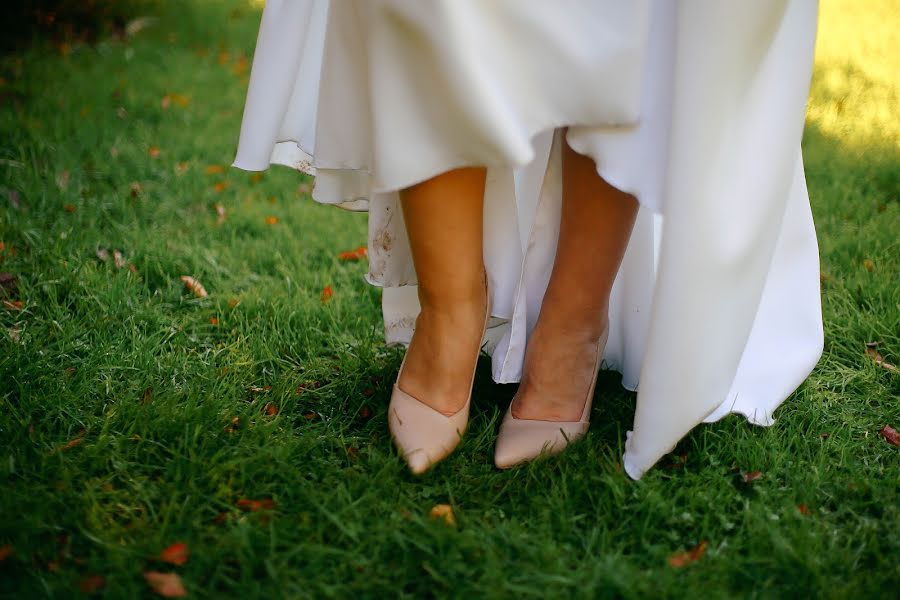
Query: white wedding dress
(694, 106)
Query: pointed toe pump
(426, 436)
(522, 440)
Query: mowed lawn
(250, 425)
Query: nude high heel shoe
(426, 436)
(521, 440)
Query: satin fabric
(696, 107)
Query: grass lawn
(251, 425)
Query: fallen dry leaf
(62, 179)
(682, 559)
(327, 294)
(364, 412)
(118, 259)
(182, 167)
(91, 584)
(310, 415)
(153, 152)
(751, 476)
(220, 186)
(234, 425)
(804, 510)
(868, 265)
(271, 220)
(255, 505)
(270, 409)
(6, 551)
(70, 444)
(443, 511)
(257, 177)
(890, 434)
(176, 99)
(167, 585)
(69, 208)
(175, 554)
(232, 302)
(135, 189)
(213, 169)
(220, 213)
(255, 389)
(213, 321)
(147, 395)
(194, 286)
(8, 284)
(873, 353)
(353, 255)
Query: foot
(443, 353)
(557, 373)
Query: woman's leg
(595, 226)
(444, 219)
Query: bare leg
(595, 226)
(444, 219)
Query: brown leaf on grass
(444, 512)
(683, 559)
(167, 585)
(147, 395)
(873, 353)
(240, 65)
(15, 334)
(868, 265)
(213, 321)
(257, 177)
(13, 304)
(255, 389)
(220, 213)
(118, 259)
(135, 189)
(310, 415)
(364, 412)
(890, 434)
(153, 151)
(69, 208)
(91, 583)
(803, 509)
(327, 294)
(62, 179)
(176, 554)
(194, 286)
(6, 551)
(353, 255)
(234, 425)
(232, 302)
(270, 409)
(53, 566)
(176, 99)
(271, 220)
(751, 476)
(9, 284)
(71, 443)
(102, 254)
(182, 167)
(214, 169)
(255, 505)
(352, 452)
(220, 186)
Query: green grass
(132, 365)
